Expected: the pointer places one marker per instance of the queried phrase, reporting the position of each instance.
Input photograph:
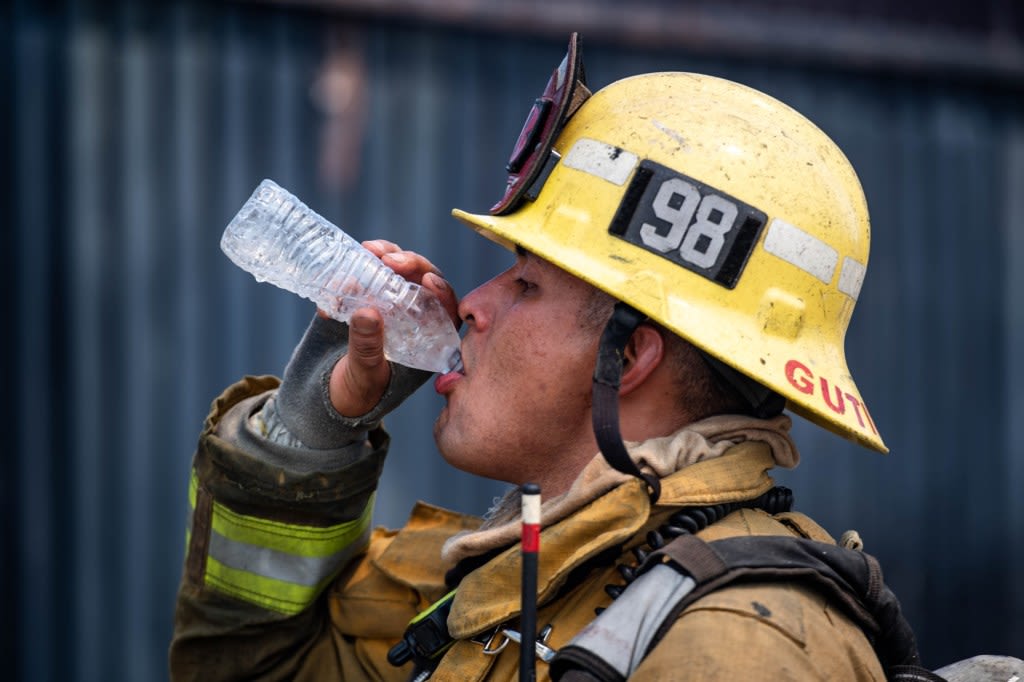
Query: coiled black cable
(692, 520)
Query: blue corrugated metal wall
(137, 129)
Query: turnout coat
(284, 579)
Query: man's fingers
(378, 247)
(444, 292)
(410, 265)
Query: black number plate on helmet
(689, 223)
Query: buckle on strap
(506, 635)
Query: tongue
(444, 382)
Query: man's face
(521, 410)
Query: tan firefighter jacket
(283, 580)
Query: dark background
(133, 131)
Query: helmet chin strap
(607, 379)
(762, 401)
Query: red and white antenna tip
(531, 503)
(531, 517)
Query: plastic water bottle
(280, 240)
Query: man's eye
(524, 285)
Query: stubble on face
(522, 412)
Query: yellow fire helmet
(711, 208)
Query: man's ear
(643, 353)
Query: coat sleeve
(264, 541)
(281, 497)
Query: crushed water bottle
(278, 239)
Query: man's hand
(360, 378)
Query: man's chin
(443, 439)
(439, 427)
(455, 453)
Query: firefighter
(686, 256)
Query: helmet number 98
(692, 224)
(697, 225)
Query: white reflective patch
(531, 509)
(803, 250)
(851, 277)
(621, 635)
(613, 164)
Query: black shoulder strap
(850, 578)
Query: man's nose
(474, 308)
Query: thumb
(360, 378)
(366, 338)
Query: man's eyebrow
(520, 251)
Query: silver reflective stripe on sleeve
(621, 634)
(269, 563)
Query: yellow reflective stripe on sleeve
(271, 594)
(276, 565)
(308, 541)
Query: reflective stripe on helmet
(278, 566)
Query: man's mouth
(444, 383)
